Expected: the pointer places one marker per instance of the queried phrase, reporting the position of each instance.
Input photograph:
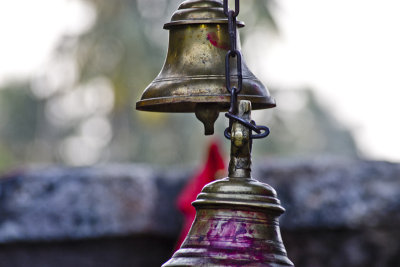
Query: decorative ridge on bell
(199, 12)
(247, 193)
(193, 76)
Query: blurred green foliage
(62, 115)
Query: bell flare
(183, 94)
(194, 69)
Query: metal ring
(232, 28)
(261, 135)
(243, 122)
(237, 8)
(238, 55)
(262, 131)
(233, 106)
(227, 133)
(266, 132)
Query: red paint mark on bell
(215, 41)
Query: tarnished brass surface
(194, 69)
(236, 220)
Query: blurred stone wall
(338, 213)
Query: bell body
(236, 224)
(194, 69)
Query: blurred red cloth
(213, 165)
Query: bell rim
(186, 104)
(240, 205)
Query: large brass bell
(193, 76)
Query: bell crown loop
(199, 12)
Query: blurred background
(71, 71)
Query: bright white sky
(348, 50)
(29, 31)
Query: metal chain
(262, 131)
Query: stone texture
(332, 247)
(70, 203)
(339, 213)
(328, 193)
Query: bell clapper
(207, 113)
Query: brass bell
(236, 220)
(193, 76)
(234, 231)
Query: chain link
(237, 8)
(262, 131)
